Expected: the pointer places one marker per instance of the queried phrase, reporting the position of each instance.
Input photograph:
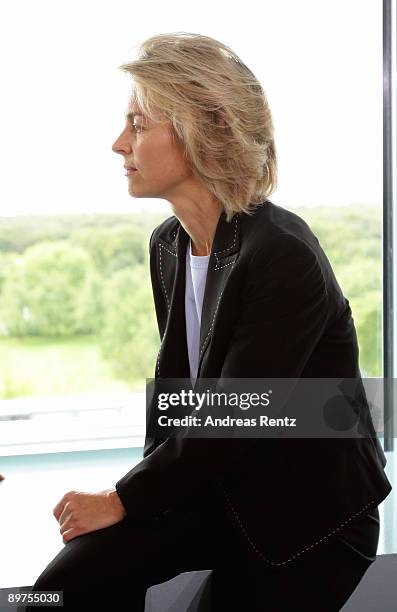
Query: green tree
(130, 338)
(113, 248)
(367, 311)
(52, 290)
(352, 240)
(7, 261)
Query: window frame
(389, 221)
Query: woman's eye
(137, 128)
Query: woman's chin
(134, 192)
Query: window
(74, 272)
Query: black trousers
(115, 566)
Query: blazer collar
(173, 358)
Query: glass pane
(78, 333)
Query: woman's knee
(53, 578)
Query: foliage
(130, 338)
(114, 248)
(351, 237)
(51, 290)
(19, 233)
(67, 275)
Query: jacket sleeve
(283, 316)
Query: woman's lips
(130, 171)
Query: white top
(196, 274)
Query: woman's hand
(79, 513)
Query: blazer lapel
(169, 262)
(224, 252)
(173, 359)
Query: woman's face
(160, 166)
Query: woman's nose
(116, 146)
(120, 145)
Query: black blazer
(272, 308)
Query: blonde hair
(218, 111)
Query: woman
(242, 289)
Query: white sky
(63, 96)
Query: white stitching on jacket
(231, 263)
(303, 549)
(161, 272)
(167, 300)
(165, 249)
(225, 266)
(217, 267)
(212, 323)
(234, 238)
(158, 357)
